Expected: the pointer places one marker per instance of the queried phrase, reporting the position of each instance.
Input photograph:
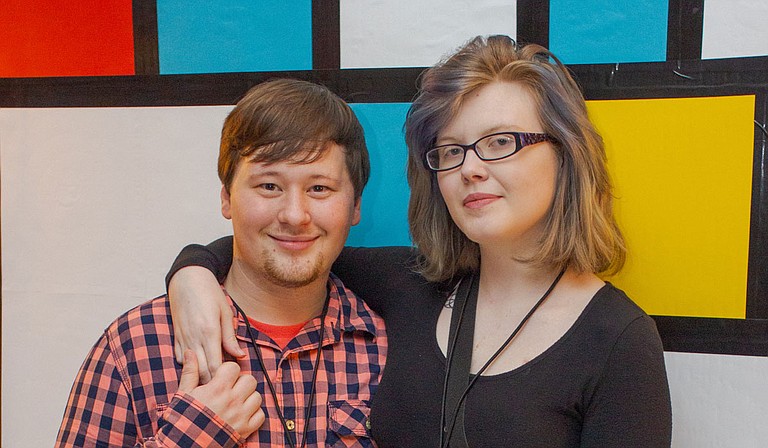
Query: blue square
(385, 199)
(196, 36)
(606, 31)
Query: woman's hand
(202, 319)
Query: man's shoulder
(150, 314)
(145, 326)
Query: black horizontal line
(354, 85)
(378, 85)
(747, 337)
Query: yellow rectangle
(682, 170)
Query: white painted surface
(718, 401)
(407, 33)
(735, 28)
(95, 205)
(97, 202)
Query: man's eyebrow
(283, 174)
(323, 176)
(264, 173)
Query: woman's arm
(202, 317)
(631, 405)
(377, 274)
(215, 257)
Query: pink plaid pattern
(126, 391)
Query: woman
(511, 212)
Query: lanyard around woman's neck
(459, 359)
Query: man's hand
(231, 396)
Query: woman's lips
(478, 200)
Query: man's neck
(275, 304)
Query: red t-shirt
(281, 334)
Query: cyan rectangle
(607, 31)
(385, 199)
(197, 36)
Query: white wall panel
(718, 401)
(734, 28)
(95, 205)
(406, 33)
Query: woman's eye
(452, 151)
(501, 141)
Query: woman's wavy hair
(580, 229)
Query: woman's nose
(473, 168)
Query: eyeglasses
(491, 147)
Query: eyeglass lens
(491, 147)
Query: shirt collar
(346, 313)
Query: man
(293, 164)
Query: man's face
(291, 220)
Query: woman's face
(501, 203)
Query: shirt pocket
(349, 424)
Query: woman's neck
(501, 275)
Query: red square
(40, 38)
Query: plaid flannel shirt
(125, 393)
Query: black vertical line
(685, 25)
(326, 25)
(757, 271)
(533, 22)
(145, 52)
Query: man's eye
(269, 187)
(319, 188)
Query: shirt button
(290, 424)
(368, 424)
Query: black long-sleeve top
(603, 384)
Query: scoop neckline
(538, 358)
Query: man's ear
(225, 203)
(356, 215)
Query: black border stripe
(533, 22)
(721, 336)
(354, 85)
(757, 274)
(145, 47)
(326, 30)
(598, 81)
(684, 29)
(672, 79)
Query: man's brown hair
(288, 119)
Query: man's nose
(295, 210)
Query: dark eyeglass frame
(522, 139)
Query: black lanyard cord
(447, 432)
(308, 411)
(468, 287)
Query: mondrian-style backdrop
(110, 112)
